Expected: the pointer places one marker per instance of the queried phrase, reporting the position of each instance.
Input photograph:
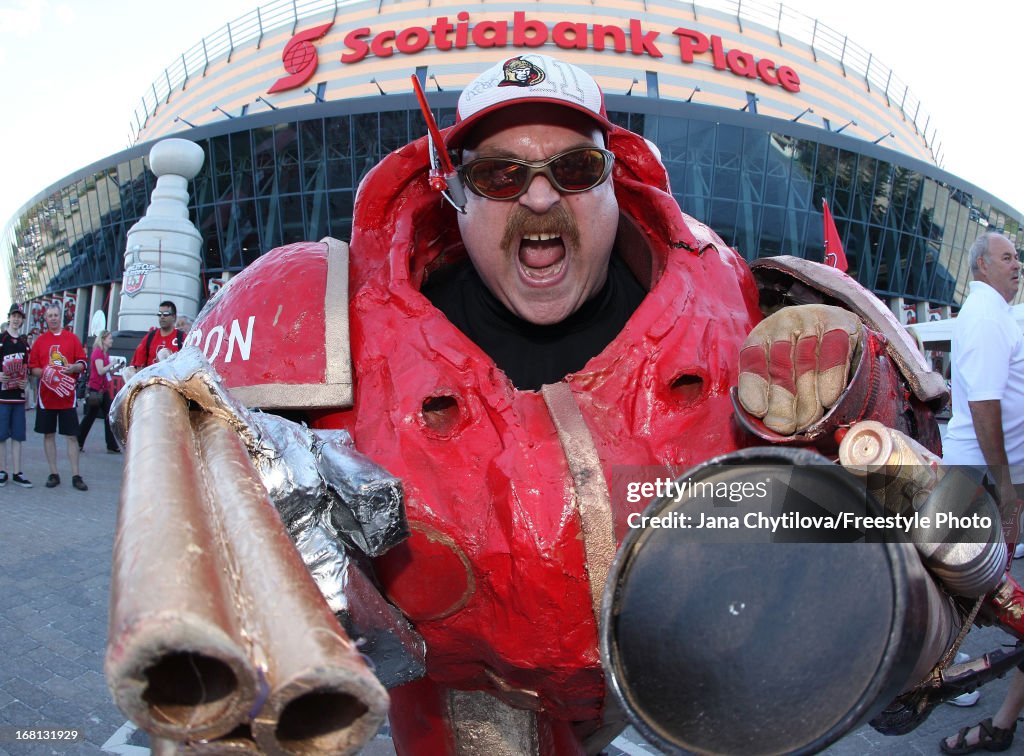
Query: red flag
(834, 254)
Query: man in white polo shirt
(987, 426)
(986, 430)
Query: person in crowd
(98, 392)
(986, 430)
(161, 341)
(57, 357)
(13, 382)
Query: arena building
(760, 113)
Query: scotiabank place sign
(300, 58)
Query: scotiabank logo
(300, 55)
(299, 58)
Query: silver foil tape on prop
(330, 495)
(373, 511)
(327, 494)
(320, 471)
(302, 469)
(290, 474)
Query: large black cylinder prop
(738, 639)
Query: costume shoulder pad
(278, 331)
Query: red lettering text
(528, 33)
(717, 52)
(740, 62)
(490, 34)
(568, 35)
(788, 79)
(462, 31)
(690, 43)
(618, 37)
(379, 44)
(441, 31)
(354, 41)
(640, 43)
(412, 40)
(766, 71)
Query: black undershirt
(533, 355)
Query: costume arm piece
(209, 594)
(827, 355)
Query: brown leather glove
(795, 365)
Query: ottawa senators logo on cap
(521, 73)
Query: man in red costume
(567, 318)
(572, 319)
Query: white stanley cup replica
(162, 257)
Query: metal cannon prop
(217, 629)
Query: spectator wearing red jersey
(57, 357)
(162, 341)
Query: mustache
(521, 222)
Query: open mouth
(542, 259)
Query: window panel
(340, 214)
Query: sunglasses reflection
(570, 172)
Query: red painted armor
(495, 574)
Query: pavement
(55, 552)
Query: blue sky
(74, 70)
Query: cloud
(23, 19)
(65, 14)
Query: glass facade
(291, 175)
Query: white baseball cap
(529, 78)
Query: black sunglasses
(570, 172)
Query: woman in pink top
(100, 370)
